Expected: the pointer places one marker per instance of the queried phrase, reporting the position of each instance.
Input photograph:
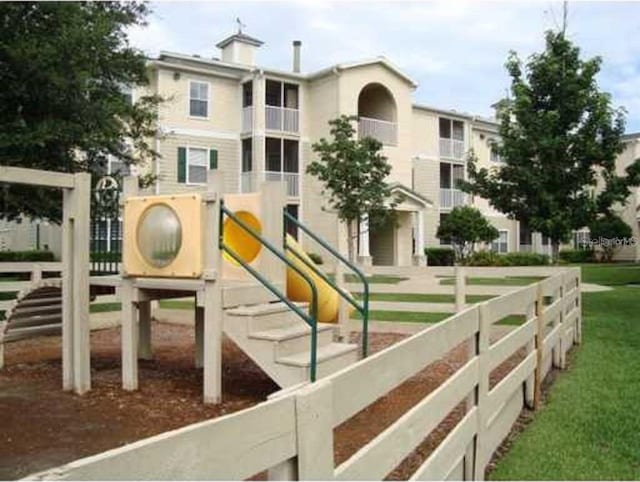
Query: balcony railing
(384, 131)
(247, 119)
(247, 182)
(291, 179)
(451, 198)
(451, 148)
(282, 119)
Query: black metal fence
(106, 227)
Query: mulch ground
(43, 427)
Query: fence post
(540, 325)
(36, 274)
(530, 382)
(481, 452)
(199, 335)
(460, 288)
(314, 421)
(144, 328)
(578, 328)
(557, 350)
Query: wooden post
(557, 350)
(460, 288)
(530, 382)
(540, 334)
(145, 351)
(129, 320)
(213, 309)
(199, 320)
(314, 419)
(36, 274)
(578, 328)
(81, 329)
(272, 221)
(287, 470)
(481, 456)
(129, 335)
(67, 290)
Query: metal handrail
(312, 317)
(364, 309)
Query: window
(525, 234)
(247, 94)
(282, 155)
(198, 99)
(444, 241)
(247, 155)
(493, 154)
(501, 244)
(581, 239)
(450, 175)
(290, 227)
(451, 129)
(279, 94)
(196, 166)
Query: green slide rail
(363, 308)
(310, 318)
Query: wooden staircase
(279, 342)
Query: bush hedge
(105, 257)
(577, 255)
(440, 256)
(26, 256)
(489, 258)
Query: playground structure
(231, 254)
(292, 435)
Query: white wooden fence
(292, 435)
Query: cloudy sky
(455, 50)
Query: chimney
(296, 55)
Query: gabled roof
(362, 63)
(399, 188)
(239, 37)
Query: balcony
(247, 182)
(451, 148)
(451, 198)
(247, 119)
(282, 119)
(383, 131)
(291, 180)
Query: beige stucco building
(254, 124)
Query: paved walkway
(593, 288)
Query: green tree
(560, 137)
(353, 173)
(464, 227)
(63, 69)
(609, 232)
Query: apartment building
(253, 123)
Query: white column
(364, 238)
(419, 258)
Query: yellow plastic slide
(298, 289)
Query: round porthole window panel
(159, 235)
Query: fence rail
(293, 434)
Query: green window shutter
(182, 164)
(213, 159)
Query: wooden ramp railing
(292, 436)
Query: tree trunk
(555, 252)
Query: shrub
(440, 256)
(490, 258)
(526, 259)
(578, 256)
(486, 258)
(105, 257)
(316, 258)
(26, 256)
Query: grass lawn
(422, 297)
(506, 281)
(611, 274)
(104, 307)
(408, 316)
(590, 427)
(376, 278)
(177, 304)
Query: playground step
(30, 332)
(22, 311)
(325, 354)
(294, 338)
(34, 321)
(28, 302)
(267, 316)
